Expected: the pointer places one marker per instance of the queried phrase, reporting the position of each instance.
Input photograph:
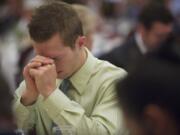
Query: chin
(61, 76)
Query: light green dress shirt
(90, 106)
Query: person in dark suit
(155, 24)
(149, 96)
(123, 54)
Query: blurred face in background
(133, 127)
(154, 121)
(154, 36)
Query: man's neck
(82, 58)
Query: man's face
(65, 58)
(154, 36)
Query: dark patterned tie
(65, 85)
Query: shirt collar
(80, 79)
(140, 43)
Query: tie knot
(64, 87)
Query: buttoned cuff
(23, 110)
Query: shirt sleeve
(25, 115)
(105, 118)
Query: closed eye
(56, 58)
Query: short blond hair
(87, 18)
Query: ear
(81, 41)
(157, 120)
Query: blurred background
(108, 24)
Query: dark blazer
(124, 55)
(10, 132)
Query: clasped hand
(40, 78)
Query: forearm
(24, 114)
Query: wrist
(28, 99)
(27, 102)
(47, 93)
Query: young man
(88, 104)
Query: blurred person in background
(88, 19)
(175, 7)
(171, 47)
(150, 95)
(155, 23)
(14, 38)
(134, 8)
(10, 14)
(25, 49)
(112, 26)
(7, 120)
